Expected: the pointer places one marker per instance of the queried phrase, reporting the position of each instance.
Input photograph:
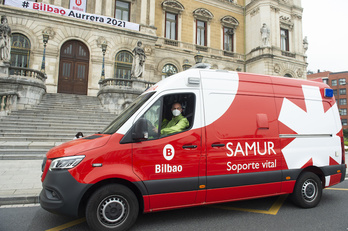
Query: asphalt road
(274, 213)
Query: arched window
(20, 50)
(168, 70)
(288, 75)
(123, 65)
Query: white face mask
(176, 112)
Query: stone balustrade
(210, 54)
(124, 83)
(116, 94)
(27, 72)
(26, 87)
(8, 102)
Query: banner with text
(72, 13)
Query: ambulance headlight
(66, 162)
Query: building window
(123, 65)
(343, 101)
(342, 91)
(20, 50)
(335, 91)
(326, 81)
(343, 111)
(171, 26)
(334, 82)
(228, 39)
(122, 10)
(342, 81)
(344, 122)
(284, 39)
(168, 70)
(202, 17)
(201, 33)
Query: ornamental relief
(276, 9)
(254, 11)
(202, 13)
(230, 21)
(173, 6)
(285, 22)
(283, 69)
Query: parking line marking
(272, 211)
(68, 225)
(341, 189)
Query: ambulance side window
(158, 121)
(170, 125)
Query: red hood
(78, 146)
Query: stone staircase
(29, 134)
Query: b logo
(168, 152)
(78, 2)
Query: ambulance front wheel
(112, 207)
(307, 191)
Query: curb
(21, 157)
(15, 200)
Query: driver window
(169, 115)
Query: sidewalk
(20, 181)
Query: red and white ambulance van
(249, 136)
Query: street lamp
(198, 58)
(103, 46)
(45, 37)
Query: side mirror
(140, 130)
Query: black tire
(112, 207)
(308, 190)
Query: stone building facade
(227, 33)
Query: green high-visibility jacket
(176, 124)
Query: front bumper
(61, 193)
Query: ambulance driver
(178, 122)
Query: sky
(325, 25)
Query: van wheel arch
(308, 189)
(95, 187)
(317, 171)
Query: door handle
(189, 146)
(218, 145)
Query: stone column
(109, 9)
(98, 8)
(143, 13)
(152, 13)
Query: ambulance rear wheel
(308, 190)
(112, 207)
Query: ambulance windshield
(126, 114)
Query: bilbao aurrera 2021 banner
(39, 6)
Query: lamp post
(198, 58)
(103, 46)
(45, 37)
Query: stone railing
(27, 72)
(8, 102)
(28, 84)
(207, 51)
(125, 83)
(116, 94)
